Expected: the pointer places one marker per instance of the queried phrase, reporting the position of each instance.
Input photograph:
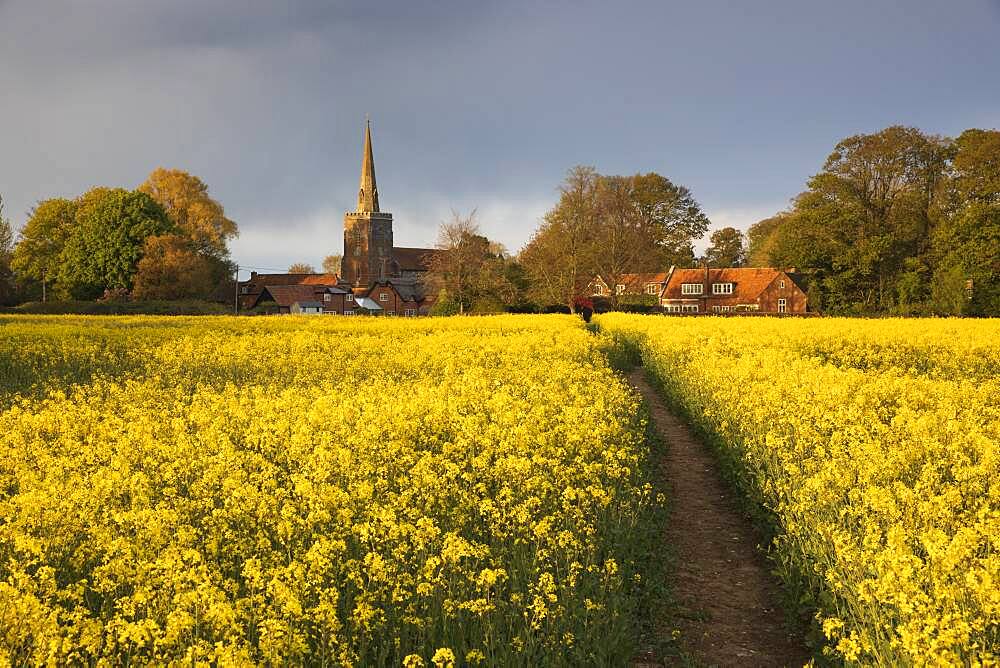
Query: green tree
(761, 238)
(444, 305)
(106, 242)
(948, 291)
(674, 214)
(7, 288)
(38, 254)
(970, 237)
(726, 248)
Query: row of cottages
(327, 294)
(705, 290)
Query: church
(376, 277)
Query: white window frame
(716, 309)
(619, 289)
(692, 288)
(722, 288)
(348, 312)
(327, 296)
(409, 312)
(652, 288)
(245, 290)
(383, 297)
(689, 308)
(781, 284)
(598, 289)
(782, 305)
(349, 297)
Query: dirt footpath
(730, 612)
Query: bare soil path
(730, 612)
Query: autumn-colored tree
(39, 250)
(726, 249)
(196, 216)
(171, 268)
(331, 264)
(301, 268)
(559, 258)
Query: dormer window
(722, 288)
(691, 288)
(781, 284)
(652, 288)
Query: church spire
(368, 193)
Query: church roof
(414, 259)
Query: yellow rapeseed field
(322, 490)
(872, 448)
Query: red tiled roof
(286, 295)
(640, 281)
(748, 283)
(414, 259)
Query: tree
(609, 226)
(301, 268)
(7, 290)
(948, 290)
(761, 238)
(38, 254)
(468, 266)
(171, 268)
(675, 215)
(559, 258)
(970, 236)
(444, 305)
(331, 264)
(107, 240)
(864, 227)
(195, 215)
(726, 249)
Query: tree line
(896, 222)
(165, 240)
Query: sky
(474, 105)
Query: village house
(376, 277)
(704, 290)
(631, 284)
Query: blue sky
(472, 104)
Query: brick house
(734, 290)
(631, 284)
(281, 298)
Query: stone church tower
(367, 231)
